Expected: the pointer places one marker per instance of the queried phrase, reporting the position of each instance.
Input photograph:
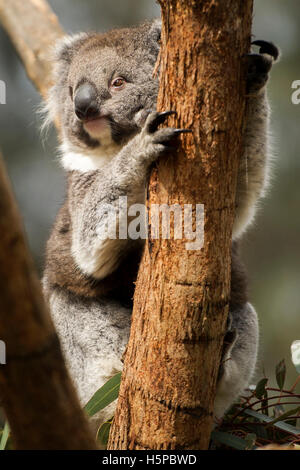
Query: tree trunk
(35, 389)
(38, 397)
(182, 296)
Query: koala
(104, 97)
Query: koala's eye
(71, 92)
(118, 83)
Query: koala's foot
(229, 340)
(239, 359)
(259, 65)
(156, 141)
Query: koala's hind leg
(254, 166)
(239, 360)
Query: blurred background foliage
(271, 248)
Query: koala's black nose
(85, 102)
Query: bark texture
(35, 389)
(33, 28)
(182, 297)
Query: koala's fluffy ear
(66, 47)
(155, 30)
(154, 35)
(62, 55)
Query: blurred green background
(271, 247)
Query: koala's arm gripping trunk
(182, 297)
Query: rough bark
(182, 297)
(33, 29)
(35, 389)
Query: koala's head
(104, 87)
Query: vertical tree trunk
(182, 296)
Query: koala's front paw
(259, 65)
(156, 141)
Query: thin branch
(36, 391)
(37, 394)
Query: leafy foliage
(265, 415)
(280, 374)
(103, 433)
(102, 398)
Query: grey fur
(84, 269)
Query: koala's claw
(183, 131)
(166, 135)
(159, 140)
(267, 48)
(157, 119)
(260, 64)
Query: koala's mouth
(97, 127)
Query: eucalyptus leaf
(265, 403)
(229, 440)
(104, 396)
(280, 374)
(103, 433)
(277, 424)
(288, 413)
(261, 388)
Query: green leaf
(279, 425)
(4, 437)
(280, 374)
(295, 350)
(262, 394)
(229, 440)
(103, 433)
(264, 403)
(261, 388)
(104, 396)
(294, 411)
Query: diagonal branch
(35, 389)
(33, 29)
(37, 394)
